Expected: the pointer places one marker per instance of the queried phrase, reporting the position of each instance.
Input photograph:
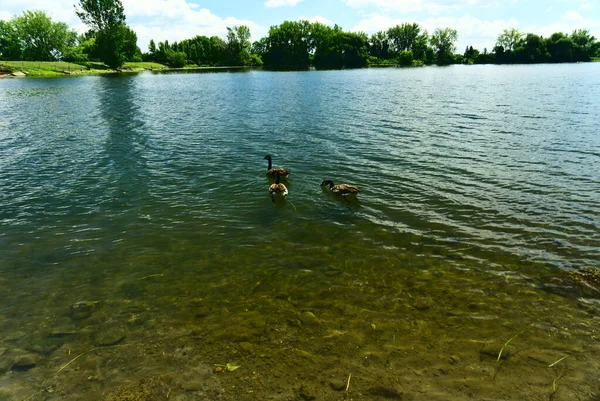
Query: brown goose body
(341, 189)
(272, 171)
(277, 190)
(282, 172)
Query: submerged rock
(83, 309)
(150, 388)
(306, 393)
(423, 304)
(491, 351)
(391, 393)
(62, 332)
(25, 362)
(110, 336)
(337, 385)
(45, 345)
(193, 384)
(14, 336)
(247, 347)
(309, 319)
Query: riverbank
(56, 68)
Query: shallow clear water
(145, 196)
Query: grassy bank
(54, 68)
(144, 66)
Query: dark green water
(144, 197)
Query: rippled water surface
(137, 232)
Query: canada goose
(344, 190)
(277, 190)
(272, 171)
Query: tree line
(300, 44)
(292, 44)
(33, 36)
(206, 51)
(515, 47)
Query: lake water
(141, 255)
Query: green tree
(442, 41)
(471, 55)
(509, 38)
(260, 47)
(152, 47)
(485, 57)
(110, 44)
(379, 45)
(403, 37)
(405, 58)
(87, 45)
(342, 49)
(290, 45)
(317, 34)
(216, 54)
(101, 15)
(419, 47)
(255, 60)
(238, 45)
(532, 50)
(197, 49)
(10, 48)
(176, 59)
(193, 52)
(41, 39)
(584, 45)
(161, 52)
(130, 49)
(113, 37)
(560, 47)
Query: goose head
(327, 182)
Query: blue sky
(478, 22)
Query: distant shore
(58, 68)
(16, 69)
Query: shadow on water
(125, 142)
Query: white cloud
(571, 16)
(479, 33)
(280, 3)
(434, 7)
(176, 20)
(375, 23)
(172, 20)
(570, 21)
(58, 11)
(473, 31)
(586, 7)
(317, 18)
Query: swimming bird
(272, 171)
(277, 190)
(344, 190)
